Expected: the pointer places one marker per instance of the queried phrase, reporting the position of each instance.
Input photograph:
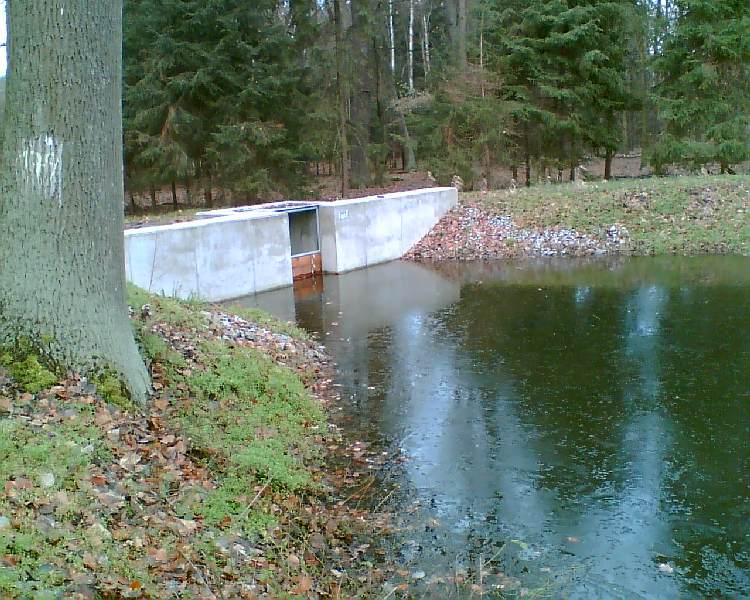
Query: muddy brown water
(581, 428)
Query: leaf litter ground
(232, 484)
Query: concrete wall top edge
(390, 196)
(247, 216)
(207, 218)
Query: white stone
(47, 480)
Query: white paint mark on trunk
(41, 160)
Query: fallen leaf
(303, 586)
(161, 404)
(293, 560)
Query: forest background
(230, 101)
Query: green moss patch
(251, 422)
(29, 373)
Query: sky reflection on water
(591, 418)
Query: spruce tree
(704, 89)
(565, 72)
(217, 90)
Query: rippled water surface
(585, 426)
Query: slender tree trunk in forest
(342, 99)
(481, 55)
(62, 277)
(152, 192)
(527, 157)
(608, 164)
(423, 48)
(174, 194)
(379, 167)
(426, 40)
(188, 191)
(362, 100)
(463, 21)
(457, 18)
(409, 160)
(528, 171)
(410, 46)
(392, 37)
(208, 193)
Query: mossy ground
(670, 215)
(215, 489)
(27, 370)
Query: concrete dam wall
(229, 253)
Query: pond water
(580, 427)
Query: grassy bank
(217, 489)
(676, 215)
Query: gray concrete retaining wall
(230, 253)
(368, 231)
(212, 259)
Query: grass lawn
(675, 215)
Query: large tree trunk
(62, 279)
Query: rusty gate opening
(305, 242)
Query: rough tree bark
(62, 279)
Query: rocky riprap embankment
(469, 232)
(278, 345)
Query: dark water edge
(581, 426)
